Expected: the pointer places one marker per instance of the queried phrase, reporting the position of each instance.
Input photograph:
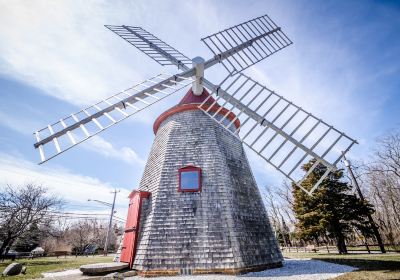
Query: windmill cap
(191, 102)
(191, 98)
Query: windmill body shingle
(224, 227)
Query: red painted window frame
(185, 169)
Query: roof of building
(190, 98)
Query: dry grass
(35, 267)
(370, 266)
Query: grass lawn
(393, 249)
(36, 266)
(370, 266)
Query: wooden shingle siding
(224, 228)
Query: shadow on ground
(304, 267)
(369, 265)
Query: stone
(102, 268)
(120, 275)
(12, 269)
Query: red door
(128, 250)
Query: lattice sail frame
(283, 134)
(68, 132)
(237, 48)
(269, 39)
(151, 45)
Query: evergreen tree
(331, 211)
(29, 240)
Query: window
(189, 179)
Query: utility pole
(370, 219)
(110, 223)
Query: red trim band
(191, 107)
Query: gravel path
(293, 269)
(55, 275)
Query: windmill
(237, 111)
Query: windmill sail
(282, 133)
(58, 137)
(151, 45)
(252, 41)
(237, 48)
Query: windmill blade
(68, 132)
(152, 46)
(245, 44)
(280, 132)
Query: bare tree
(385, 194)
(86, 232)
(21, 207)
(388, 154)
(380, 180)
(278, 206)
(80, 235)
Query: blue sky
(57, 57)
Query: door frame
(135, 229)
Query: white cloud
(16, 123)
(96, 144)
(63, 48)
(101, 146)
(74, 188)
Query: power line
(119, 220)
(83, 214)
(61, 214)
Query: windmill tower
(205, 213)
(197, 208)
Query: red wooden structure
(129, 244)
